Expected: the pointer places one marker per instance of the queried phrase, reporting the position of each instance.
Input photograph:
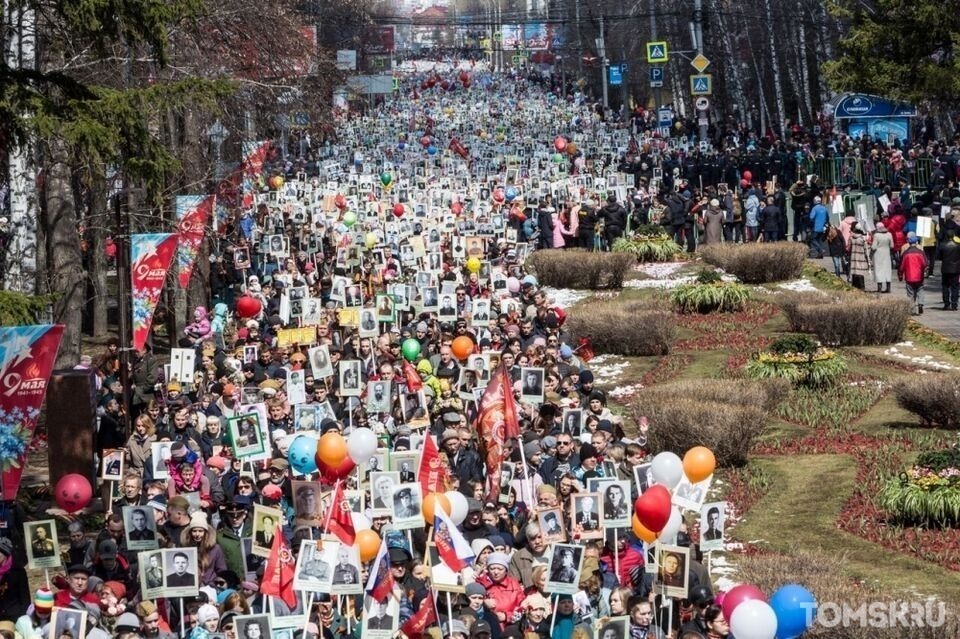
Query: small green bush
(623, 329)
(848, 319)
(648, 248)
(933, 397)
(723, 297)
(758, 263)
(793, 344)
(817, 370)
(579, 269)
(919, 503)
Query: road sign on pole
(700, 63)
(702, 103)
(656, 77)
(616, 75)
(657, 52)
(701, 84)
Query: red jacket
(895, 225)
(507, 593)
(630, 558)
(913, 264)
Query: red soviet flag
(414, 626)
(278, 575)
(433, 473)
(496, 423)
(339, 521)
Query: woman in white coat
(882, 261)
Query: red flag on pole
(278, 575)
(381, 582)
(412, 377)
(496, 423)
(414, 626)
(433, 472)
(338, 517)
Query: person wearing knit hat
(208, 617)
(498, 559)
(127, 622)
(43, 602)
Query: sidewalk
(946, 323)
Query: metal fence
(863, 171)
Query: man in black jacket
(950, 271)
(545, 222)
(614, 218)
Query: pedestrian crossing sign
(656, 52)
(701, 84)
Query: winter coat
(819, 217)
(614, 215)
(752, 207)
(882, 261)
(896, 224)
(770, 218)
(713, 221)
(200, 328)
(950, 256)
(837, 245)
(138, 450)
(913, 265)
(558, 241)
(859, 257)
(508, 594)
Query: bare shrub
(579, 269)
(758, 263)
(934, 397)
(623, 329)
(849, 319)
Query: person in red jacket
(623, 558)
(504, 593)
(75, 588)
(913, 267)
(896, 224)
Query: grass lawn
(800, 509)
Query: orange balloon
(699, 463)
(462, 347)
(643, 532)
(332, 449)
(571, 148)
(430, 503)
(368, 542)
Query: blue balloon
(302, 454)
(510, 193)
(401, 146)
(432, 150)
(796, 608)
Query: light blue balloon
(302, 454)
(796, 608)
(511, 194)
(431, 150)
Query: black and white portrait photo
(68, 622)
(672, 576)
(551, 525)
(564, 571)
(407, 503)
(320, 361)
(447, 311)
(350, 384)
(140, 527)
(382, 485)
(386, 312)
(643, 476)
(572, 422)
(586, 515)
(616, 504)
(43, 547)
(414, 405)
(379, 398)
(368, 323)
(691, 496)
(712, 521)
(481, 312)
(112, 465)
(314, 569)
(531, 388)
(159, 454)
(306, 503)
(346, 572)
(265, 520)
(305, 417)
(613, 628)
(246, 434)
(151, 573)
(380, 617)
(181, 578)
(252, 627)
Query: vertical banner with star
(251, 167)
(193, 213)
(150, 258)
(27, 354)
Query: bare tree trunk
(823, 50)
(97, 223)
(63, 249)
(805, 93)
(775, 64)
(733, 67)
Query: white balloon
(668, 536)
(753, 619)
(361, 445)
(458, 506)
(360, 521)
(667, 469)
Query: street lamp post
(217, 134)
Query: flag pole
(326, 523)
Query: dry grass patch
(575, 268)
(758, 263)
(628, 329)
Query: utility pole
(602, 52)
(698, 34)
(122, 221)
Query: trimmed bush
(740, 392)
(848, 320)
(933, 397)
(648, 247)
(758, 263)
(680, 423)
(623, 329)
(575, 268)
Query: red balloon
(744, 184)
(248, 307)
(332, 474)
(73, 492)
(425, 85)
(431, 82)
(739, 594)
(398, 209)
(457, 208)
(425, 141)
(340, 202)
(747, 175)
(560, 143)
(498, 196)
(653, 508)
(466, 83)
(445, 85)
(464, 77)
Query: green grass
(800, 509)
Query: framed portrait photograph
(414, 407)
(350, 382)
(252, 626)
(407, 503)
(347, 570)
(691, 496)
(265, 520)
(43, 547)
(713, 519)
(563, 575)
(368, 323)
(643, 477)
(447, 310)
(159, 454)
(617, 509)
(672, 574)
(531, 388)
(406, 463)
(140, 527)
(312, 311)
(587, 515)
(480, 313)
(111, 465)
(551, 525)
(442, 577)
(382, 486)
(320, 363)
(386, 309)
(305, 418)
(613, 628)
(181, 574)
(314, 569)
(307, 504)
(338, 289)
(475, 247)
(430, 300)
(572, 421)
(296, 386)
(67, 622)
(379, 396)
(378, 462)
(246, 435)
(380, 617)
(152, 573)
(467, 383)
(353, 297)
(250, 353)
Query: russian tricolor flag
(451, 544)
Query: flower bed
(928, 493)
(708, 293)
(648, 247)
(836, 407)
(799, 360)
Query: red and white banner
(433, 473)
(150, 258)
(496, 423)
(27, 354)
(193, 215)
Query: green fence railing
(861, 171)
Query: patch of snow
(659, 270)
(564, 297)
(608, 369)
(799, 286)
(661, 284)
(919, 360)
(622, 392)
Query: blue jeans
(817, 243)
(837, 265)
